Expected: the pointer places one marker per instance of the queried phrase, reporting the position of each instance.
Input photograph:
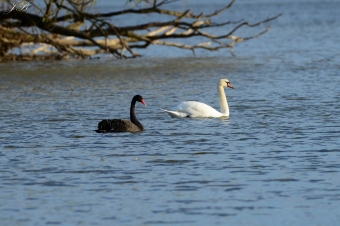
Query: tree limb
(67, 28)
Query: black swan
(123, 125)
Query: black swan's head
(138, 98)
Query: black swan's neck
(133, 117)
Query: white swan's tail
(176, 114)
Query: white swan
(196, 109)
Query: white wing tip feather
(175, 114)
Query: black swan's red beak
(143, 102)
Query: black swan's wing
(117, 125)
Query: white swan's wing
(176, 114)
(193, 109)
(198, 109)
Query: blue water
(274, 161)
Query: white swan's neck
(223, 100)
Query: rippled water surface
(274, 161)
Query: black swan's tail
(105, 126)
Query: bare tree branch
(66, 27)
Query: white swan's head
(225, 82)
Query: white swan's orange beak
(229, 85)
(143, 102)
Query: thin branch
(141, 11)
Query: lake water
(274, 161)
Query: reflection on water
(274, 161)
